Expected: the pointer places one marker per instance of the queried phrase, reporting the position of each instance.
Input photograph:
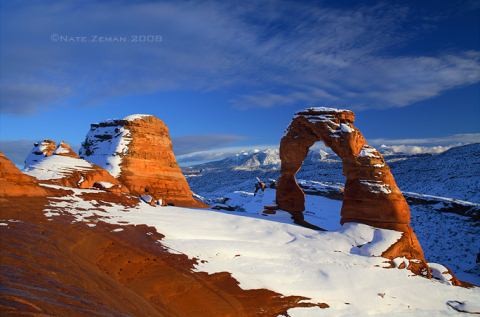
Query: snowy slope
(55, 167)
(447, 238)
(338, 268)
(454, 173)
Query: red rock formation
(14, 183)
(62, 166)
(40, 150)
(371, 195)
(138, 151)
(64, 149)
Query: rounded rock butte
(371, 195)
(138, 151)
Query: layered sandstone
(138, 151)
(14, 183)
(371, 195)
(62, 166)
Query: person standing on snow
(259, 185)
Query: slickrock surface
(14, 183)
(62, 166)
(138, 151)
(62, 268)
(371, 195)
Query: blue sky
(223, 75)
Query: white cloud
(426, 145)
(415, 149)
(464, 138)
(265, 54)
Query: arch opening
(322, 181)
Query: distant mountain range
(454, 173)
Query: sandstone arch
(371, 195)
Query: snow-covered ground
(446, 237)
(335, 267)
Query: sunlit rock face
(137, 150)
(14, 183)
(371, 195)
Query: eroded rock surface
(138, 151)
(41, 149)
(14, 183)
(62, 166)
(371, 195)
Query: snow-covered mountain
(238, 171)
(453, 174)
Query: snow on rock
(377, 187)
(368, 151)
(365, 181)
(346, 128)
(65, 150)
(56, 167)
(41, 149)
(382, 239)
(105, 145)
(64, 167)
(61, 150)
(105, 184)
(325, 109)
(401, 262)
(138, 152)
(136, 116)
(288, 259)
